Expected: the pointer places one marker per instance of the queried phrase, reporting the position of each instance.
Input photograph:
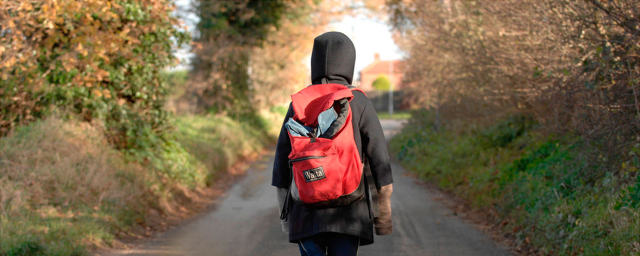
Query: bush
(505, 131)
(539, 184)
(101, 59)
(381, 83)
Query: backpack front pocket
(316, 176)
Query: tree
(381, 83)
(248, 53)
(228, 31)
(574, 65)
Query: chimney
(376, 56)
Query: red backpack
(327, 171)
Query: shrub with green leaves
(101, 59)
(381, 83)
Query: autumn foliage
(574, 65)
(99, 58)
(531, 113)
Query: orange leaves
(10, 24)
(102, 75)
(49, 24)
(10, 62)
(21, 32)
(81, 50)
(26, 6)
(96, 92)
(101, 93)
(123, 34)
(76, 33)
(49, 12)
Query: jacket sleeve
(375, 150)
(282, 195)
(281, 176)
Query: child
(339, 230)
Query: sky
(369, 36)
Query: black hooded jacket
(333, 61)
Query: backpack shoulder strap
(358, 89)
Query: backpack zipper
(306, 158)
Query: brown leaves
(567, 61)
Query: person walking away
(335, 183)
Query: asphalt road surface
(246, 223)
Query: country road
(246, 223)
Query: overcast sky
(368, 35)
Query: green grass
(542, 185)
(395, 115)
(220, 141)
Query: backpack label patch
(314, 174)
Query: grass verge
(395, 115)
(219, 141)
(547, 196)
(65, 191)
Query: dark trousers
(332, 244)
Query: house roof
(382, 66)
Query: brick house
(382, 67)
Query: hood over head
(333, 58)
